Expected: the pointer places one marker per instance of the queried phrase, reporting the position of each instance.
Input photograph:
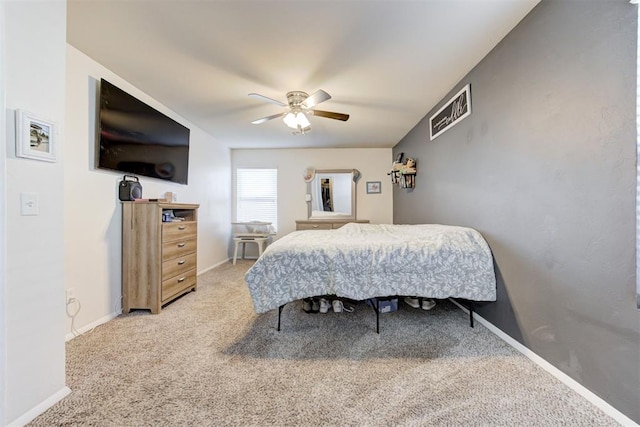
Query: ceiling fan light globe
(302, 120)
(290, 120)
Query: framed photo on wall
(374, 187)
(35, 137)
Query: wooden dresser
(158, 258)
(325, 224)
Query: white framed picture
(35, 137)
(374, 187)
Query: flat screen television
(137, 139)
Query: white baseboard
(40, 408)
(92, 325)
(566, 379)
(213, 266)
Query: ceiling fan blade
(267, 99)
(266, 119)
(330, 115)
(315, 98)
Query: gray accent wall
(545, 168)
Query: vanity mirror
(332, 194)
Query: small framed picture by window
(35, 137)
(374, 187)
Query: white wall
(3, 226)
(373, 164)
(34, 36)
(92, 209)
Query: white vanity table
(325, 224)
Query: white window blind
(257, 195)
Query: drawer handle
(180, 262)
(182, 227)
(181, 245)
(181, 279)
(315, 226)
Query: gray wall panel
(545, 168)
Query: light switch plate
(29, 204)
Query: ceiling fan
(299, 104)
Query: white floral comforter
(361, 261)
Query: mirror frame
(352, 173)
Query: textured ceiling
(385, 63)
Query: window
(257, 195)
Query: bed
(364, 261)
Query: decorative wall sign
(35, 137)
(451, 113)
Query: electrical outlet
(69, 294)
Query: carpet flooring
(209, 360)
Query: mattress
(362, 261)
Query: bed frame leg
(377, 309)
(280, 315)
(375, 305)
(471, 310)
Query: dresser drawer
(178, 230)
(176, 266)
(307, 226)
(178, 248)
(177, 284)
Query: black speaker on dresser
(129, 188)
